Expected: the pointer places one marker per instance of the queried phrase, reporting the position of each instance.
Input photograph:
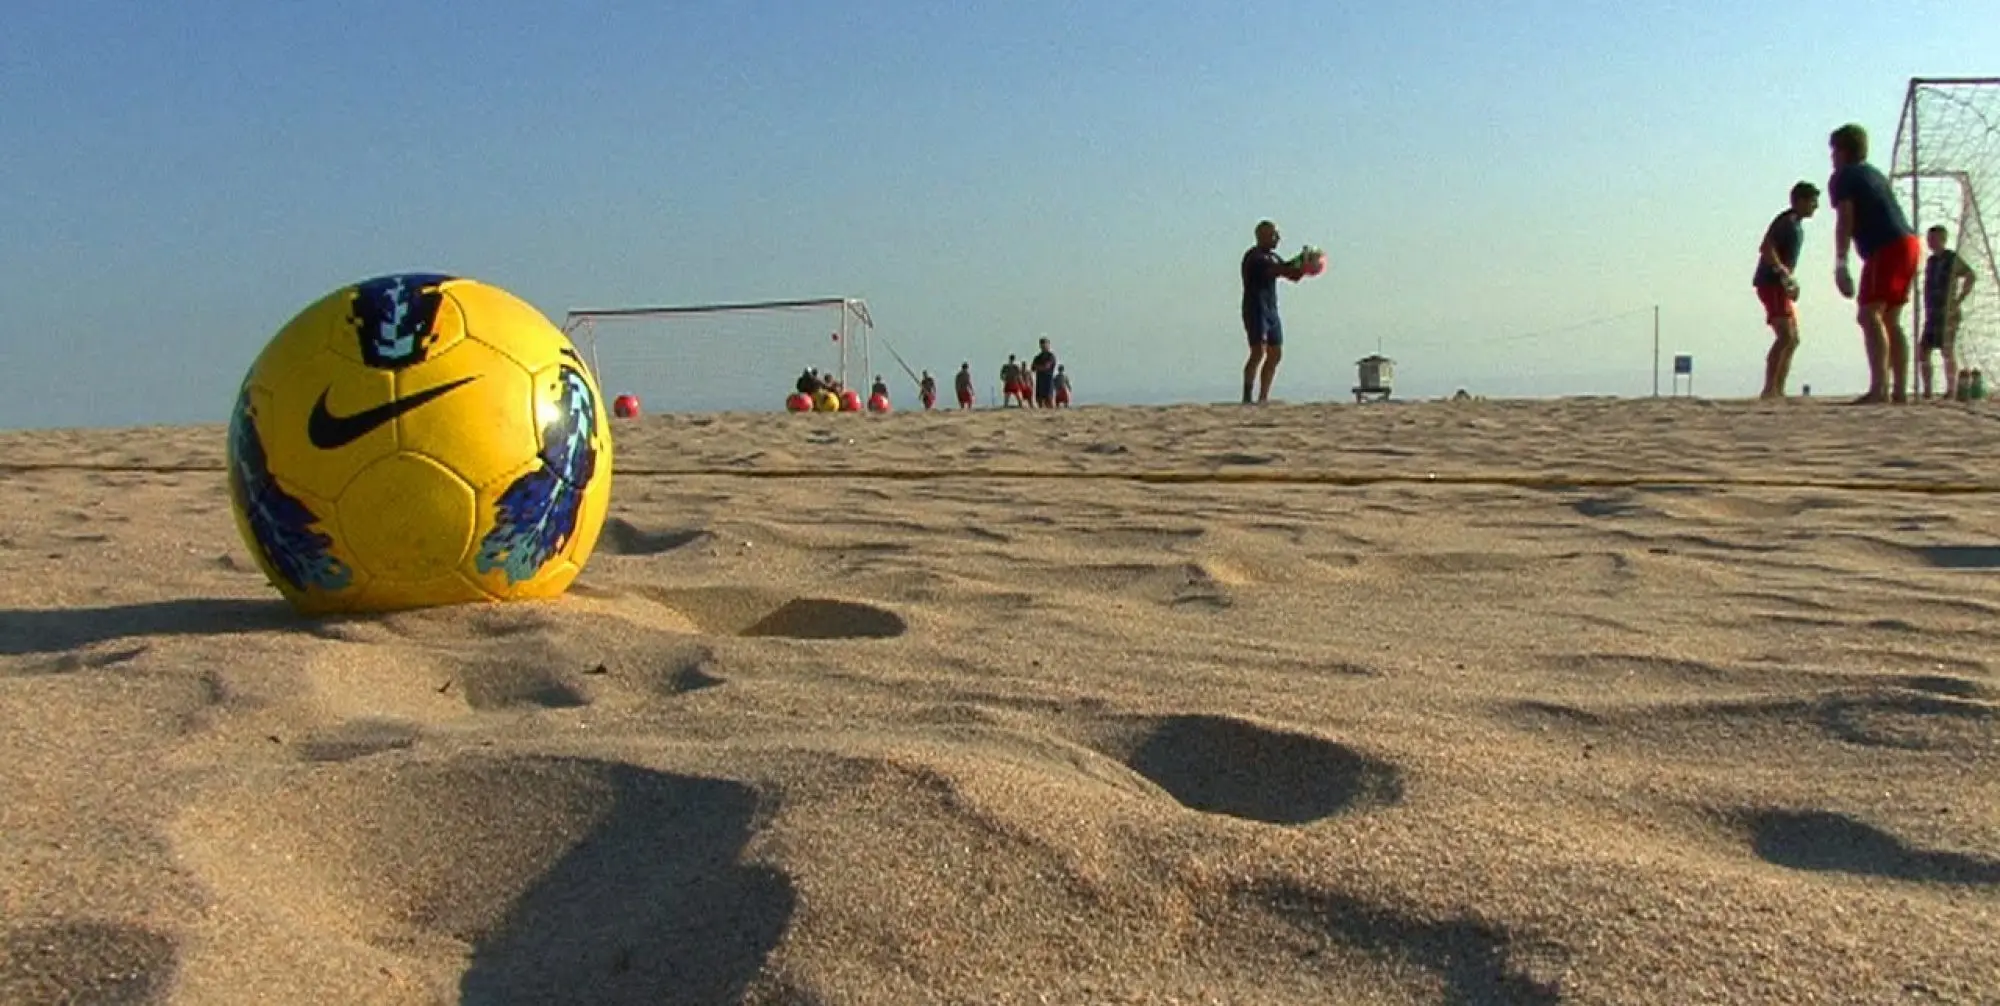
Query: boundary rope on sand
(1183, 477)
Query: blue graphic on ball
(283, 524)
(536, 516)
(393, 315)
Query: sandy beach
(1582, 701)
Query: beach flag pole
(1656, 350)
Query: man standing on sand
(1872, 219)
(1776, 287)
(1062, 387)
(1261, 269)
(1044, 367)
(927, 391)
(963, 385)
(1942, 271)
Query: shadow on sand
(652, 906)
(1826, 842)
(55, 630)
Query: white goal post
(1947, 162)
(725, 356)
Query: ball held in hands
(1310, 261)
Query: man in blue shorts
(1261, 270)
(1869, 216)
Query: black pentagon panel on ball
(394, 318)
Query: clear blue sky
(181, 177)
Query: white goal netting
(723, 357)
(1947, 167)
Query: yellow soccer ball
(418, 440)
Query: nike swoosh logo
(328, 431)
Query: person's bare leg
(1778, 362)
(1899, 351)
(1785, 365)
(1271, 357)
(1924, 375)
(1250, 371)
(1876, 343)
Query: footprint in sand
(1476, 962)
(1228, 766)
(517, 879)
(357, 739)
(84, 961)
(1959, 556)
(747, 612)
(622, 537)
(92, 659)
(1907, 716)
(1822, 841)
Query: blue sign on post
(1684, 365)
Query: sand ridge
(1080, 740)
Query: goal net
(723, 357)
(1947, 167)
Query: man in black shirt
(1777, 290)
(1947, 282)
(1261, 270)
(1044, 367)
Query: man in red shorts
(963, 385)
(1776, 287)
(1869, 216)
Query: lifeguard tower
(1377, 373)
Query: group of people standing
(1870, 219)
(1041, 383)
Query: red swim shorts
(1777, 306)
(1887, 274)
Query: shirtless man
(963, 385)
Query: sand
(1588, 702)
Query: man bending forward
(1777, 289)
(1872, 219)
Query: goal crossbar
(854, 320)
(854, 304)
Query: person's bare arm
(1966, 277)
(1769, 251)
(1843, 229)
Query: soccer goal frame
(1910, 167)
(855, 324)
